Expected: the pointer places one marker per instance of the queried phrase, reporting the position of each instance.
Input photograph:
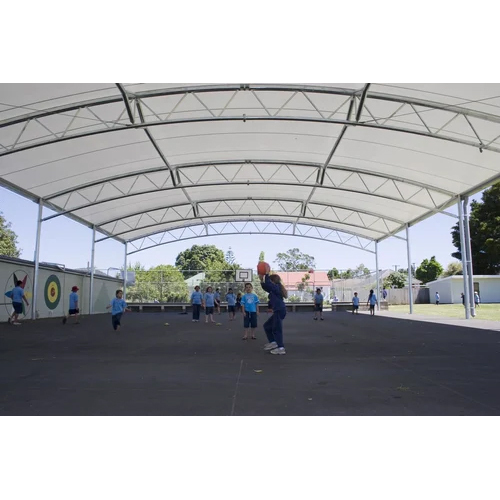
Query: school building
(451, 288)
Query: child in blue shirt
(118, 307)
(274, 325)
(318, 304)
(250, 308)
(231, 304)
(372, 300)
(17, 296)
(355, 303)
(208, 304)
(196, 300)
(73, 306)
(217, 299)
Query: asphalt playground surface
(344, 365)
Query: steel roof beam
(302, 220)
(272, 88)
(245, 118)
(126, 101)
(182, 166)
(237, 183)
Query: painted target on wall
(26, 285)
(52, 292)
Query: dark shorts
(355, 308)
(238, 307)
(318, 307)
(372, 307)
(250, 320)
(209, 310)
(18, 307)
(73, 311)
(231, 309)
(115, 320)
(217, 303)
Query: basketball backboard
(244, 275)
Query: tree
(163, 283)
(304, 284)
(230, 256)
(429, 270)
(484, 222)
(8, 239)
(262, 256)
(453, 269)
(294, 260)
(199, 258)
(347, 275)
(361, 271)
(396, 279)
(333, 274)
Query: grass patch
(485, 311)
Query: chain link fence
(174, 285)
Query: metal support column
(92, 272)
(468, 254)
(464, 259)
(377, 278)
(410, 283)
(37, 258)
(125, 274)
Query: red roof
(293, 278)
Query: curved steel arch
(215, 163)
(234, 183)
(257, 231)
(250, 218)
(332, 121)
(254, 87)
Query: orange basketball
(263, 268)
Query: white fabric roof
(351, 163)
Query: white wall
(444, 288)
(450, 289)
(104, 289)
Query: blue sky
(67, 242)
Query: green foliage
(333, 274)
(294, 260)
(429, 270)
(262, 256)
(199, 258)
(163, 283)
(8, 239)
(484, 232)
(453, 269)
(395, 279)
(294, 298)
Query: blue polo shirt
(355, 301)
(250, 301)
(231, 299)
(117, 306)
(73, 300)
(318, 298)
(17, 294)
(196, 297)
(209, 299)
(373, 300)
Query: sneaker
(9, 321)
(322, 319)
(270, 346)
(16, 323)
(194, 321)
(278, 350)
(315, 319)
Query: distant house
(451, 288)
(317, 279)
